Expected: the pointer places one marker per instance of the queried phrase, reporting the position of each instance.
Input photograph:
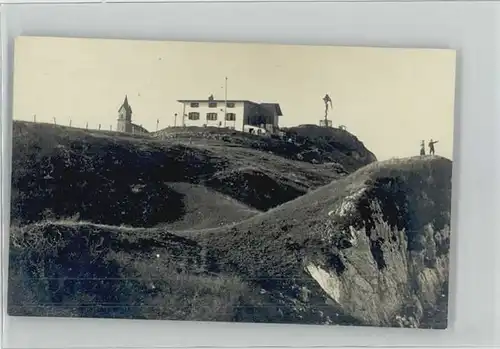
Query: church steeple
(125, 102)
(124, 117)
(125, 109)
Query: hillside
(334, 143)
(82, 269)
(116, 179)
(376, 242)
(102, 219)
(206, 208)
(311, 143)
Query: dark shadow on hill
(254, 188)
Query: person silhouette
(431, 147)
(422, 148)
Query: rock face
(327, 144)
(314, 245)
(375, 242)
(395, 259)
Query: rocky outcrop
(328, 144)
(394, 253)
(376, 242)
(384, 297)
(310, 143)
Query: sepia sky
(391, 99)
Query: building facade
(124, 123)
(240, 115)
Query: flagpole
(225, 102)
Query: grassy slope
(106, 179)
(267, 251)
(89, 270)
(413, 192)
(113, 179)
(206, 208)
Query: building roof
(125, 105)
(274, 107)
(215, 100)
(139, 128)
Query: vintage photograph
(233, 182)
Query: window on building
(195, 105)
(194, 116)
(212, 104)
(230, 104)
(211, 116)
(230, 117)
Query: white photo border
(469, 27)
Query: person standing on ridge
(431, 147)
(422, 148)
